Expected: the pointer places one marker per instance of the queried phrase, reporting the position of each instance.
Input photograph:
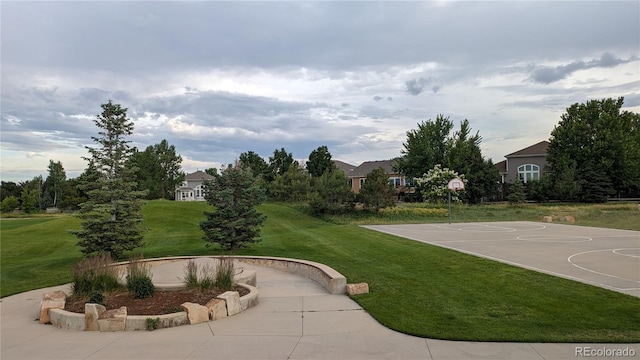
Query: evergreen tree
(516, 193)
(331, 193)
(111, 216)
(278, 164)
(292, 185)
(235, 222)
(254, 162)
(377, 192)
(319, 161)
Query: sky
(216, 79)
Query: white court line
(553, 238)
(630, 255)
(489, 228)
(597, 272)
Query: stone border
(326, 276)
(330, 279)
(334, 282)
(76, 321)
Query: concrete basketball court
(608, 258)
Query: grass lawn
(416, 288)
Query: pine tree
(235, 223)
(111, 216)
(377, 192)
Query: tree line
(594, 154)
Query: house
(526, 164)
(358, 175)
(192, 188)
(345, 167)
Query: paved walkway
(296, 319)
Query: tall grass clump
(207, 277)
(224, 274)
(139, 278)
(94, 274)
(191, 275)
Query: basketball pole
(449, 206)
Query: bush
(9, 204)
(139, 279)
(141, 286)
(96, 298)
(93, 274)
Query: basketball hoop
(455, 184)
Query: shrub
(9, 204)
(224, 274)
(94, 273)
(139, 279)
(96, 298)
(153, 324)
(141, 286)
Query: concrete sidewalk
(296, 319)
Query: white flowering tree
(433, 185)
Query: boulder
(196, 312)
(92, 313)
(113, 320)
(356, 289)
(568, 218)
(51, 300)
(547, 219)
(232, 300)
(217, 309)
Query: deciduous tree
(56, 179)
(158, 170)
(597, 138)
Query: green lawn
(416, 288)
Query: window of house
(198, 191)
(395, 181)
(362, 182)
(528, 172)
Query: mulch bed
(162, 302)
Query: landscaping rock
(113, 320)
(51, 300)
(196, 312)
(92, 313)
(232, 300)
(356, 289)
(217, 309)
(547, 219)
(568, 218)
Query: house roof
(341, 165)
(501, 166)
(539, 149)
(368, 166)
(198, 175)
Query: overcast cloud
(216, 79)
